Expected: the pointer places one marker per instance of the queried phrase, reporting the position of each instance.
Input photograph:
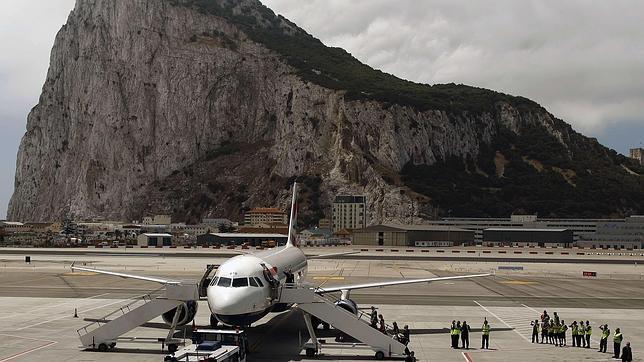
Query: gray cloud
(583, 60)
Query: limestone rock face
(139, 90)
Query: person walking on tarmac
(627, 354)
(617, 342)
(485, 335)
(603, 342)
(465, 335)
(535, 330)
(589, 332)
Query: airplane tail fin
(292, 222)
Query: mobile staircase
(356, 326)
(105, 332)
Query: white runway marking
(502, 321)
(66, 316)
(20, 354)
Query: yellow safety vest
(486, 329)
(589, 330)
(574, 330)
(618, 338)
(605, 334)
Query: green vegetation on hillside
(533, 180)
(334, 68)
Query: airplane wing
(128, 276)
(395, 282)
(324, 256)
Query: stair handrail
(146, 298)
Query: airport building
(412, 235)
(627, 234)
(157, 220)
(154, 240)
(527, 237)
(239, 239)
(265, 215)
(580, 228)
(349, 212)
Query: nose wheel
(213, 321)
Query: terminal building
(627, 234)
(580, 228)
(412, 235)
(527, 237)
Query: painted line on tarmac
(467, 356)
(20, 354)
(65, 316)
(502, 321)
(56, 305)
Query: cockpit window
(253, 282)
(259, 282)
(223, 282)
(240, 282)
(214, 281)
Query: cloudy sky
(583, 60)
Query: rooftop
(264, 210)
(157, 235)
(552, 230)
(247, 235)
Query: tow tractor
(213, 345)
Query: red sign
(590, 274)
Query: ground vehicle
(216, 345)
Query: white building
(349, 212)
(157, 220)
(265, 215)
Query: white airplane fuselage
(240, 293)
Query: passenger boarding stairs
(356, 326)
(105, 331)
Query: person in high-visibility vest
(535, 330)
(580, 335)
(485, 335)
(564, 328)
(603, 342)
(589, 332)
(574, 329)
(617, 342)
(452, 335)
(458, 334)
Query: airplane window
(214, 281)
(240, 282)
(253, 282)
(224, 282)
(259, 282)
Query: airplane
(244, 288)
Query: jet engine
(347, 304)
(187, 312)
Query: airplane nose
(224, 303)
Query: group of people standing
(461, 331)
(553, 331)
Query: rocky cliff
(206, 107)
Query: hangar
(239, 238)
(412, 235)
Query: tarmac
(37, 302)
